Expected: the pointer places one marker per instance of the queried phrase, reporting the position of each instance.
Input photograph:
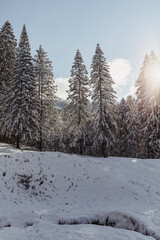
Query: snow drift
(115, 220)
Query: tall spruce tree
(143, 109)
(132, 127)
(148, 97)
(7, 58)
(103, 101)
(47, 99)
(78, 108)
(7, 53)
(153, 126)
(22, 114)
(121, 140)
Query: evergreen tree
(22, 114)
(46, 98)
(132, 130)
(121, 141)
(153, 78)
(7, 53)
(7, 58)
(78, 107)
(153, 121)
(103, 101)
(65, 135)
(143, 109)
(148, 97)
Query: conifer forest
(92, 121)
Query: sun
(154, 79)
(155, 76)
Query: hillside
(40, 192)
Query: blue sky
(125, 29)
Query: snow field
(40, 190)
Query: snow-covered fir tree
(22, 117)
(103, 102)
(7, 53)
(7, 58)
(78, 107)
(148, 98)
(143, 108)
(65, 138)
(153, 126)
(126, 141)
(132, 127)
(48, 115)
(121, 140)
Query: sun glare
(154, 79)
(155, 76)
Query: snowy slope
(40, 191)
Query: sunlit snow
(46, 196)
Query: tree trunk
(81, 147)
(40, 144)
(18, 142)
(104, 150)
(41, 122)
(40, 134)
(4, 138)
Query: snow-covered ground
(56, 196)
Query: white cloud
(120, 70)
(123, 76)
(62, 87)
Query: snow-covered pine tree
(78, 106)
(153, 129)
(21, 120)
(7, 58)
(143, 109)
(103, 102)
(48, 127)
(121, 140)
(132, 127)
(153, 121)
(148, 97)
(65, 120)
